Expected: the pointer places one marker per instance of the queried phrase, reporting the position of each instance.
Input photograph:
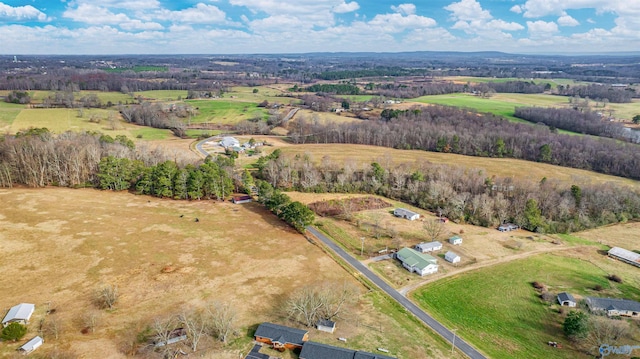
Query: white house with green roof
(417, 262)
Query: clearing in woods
(66, 243)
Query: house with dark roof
(238, 199)
(281, 337)
(614, 307)
(566, 299)
(313, 350)
(20, 313)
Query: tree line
(586, 122)
(600, 92)
(463, 195)
(453, 130)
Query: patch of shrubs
(538, 286)
(614, 278)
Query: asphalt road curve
(447, 334)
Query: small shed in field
(20, 313)
(326, 325)
(241, 199)
(451, 257)
(508, 227)
(405, 213)
(566, 299)
(455, 240)
(31, 345)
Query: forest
(464, 195)
(453, 130)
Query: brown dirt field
(63, 244)
(624, 235)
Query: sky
(298, 26)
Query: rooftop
(416, 259)
(280, 333)
(625, 254)
(596, 303)
(21, 311)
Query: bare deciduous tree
(90, 320)
(434, 228)
(327, 300)
(603, 330)
(222, 318)
(107, 296)
(196, 325)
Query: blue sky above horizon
(272, 26)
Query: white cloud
(541, 28)
(346, 7)
(118, 4)
(199, 14)
(470, 17)
(21, 13)
(405, 9)
(468, 10)
(567, 20)
(516, 8)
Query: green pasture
(104, 96)
(246, 94)
(223, 111)
(59, 120)
(477, 80)
(8, 113)
(497, 310)
(163, 95)
(202, 133)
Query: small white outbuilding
(451, 257)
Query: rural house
(417, 262)
(566, 299)
(405, 213)
(281, 337)
(313, 350)
(625, 255)
(20, 313)
(31, 345)
(451, 257)
(455, 240)
(507, 227)
(326, 325)
(229, 142)
(428, 247)
(614, 307)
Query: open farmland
(8, 113)
(223, 111)
(65, 244)
(504, 104)
(364, 155)
(498, 310)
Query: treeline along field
(452, 130)
(463, 195)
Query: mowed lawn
(63, 244)
(8, 113)
(364, 155)
(497, 309)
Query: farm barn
(405, 213)
(20, 313)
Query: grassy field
(497, 309)
(163, 95)
(504, 167)
(477, 80)
(224, 111)
(113, 97)
(8, 113)
(504, 104)
(65, 243)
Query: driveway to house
(447, 334)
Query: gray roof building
(428, 246)
(625, 255)
(614, 306)
(314, 350)
(281, 334)
(32, 345)
(567, 299)
(20, 313)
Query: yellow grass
(63, 244)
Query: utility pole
(362, 247)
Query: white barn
(31, 345)
(625, 255)
(417, 262)
(451, 257)
(20, 313)
(229, 142)
(405, 213)
(428, 247)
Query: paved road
(463, 346)
(199, 148)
